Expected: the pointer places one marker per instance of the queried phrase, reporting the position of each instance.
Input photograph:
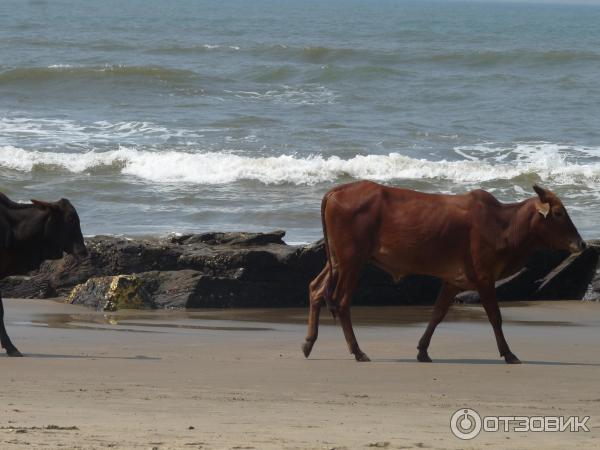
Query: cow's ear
(544, 209)
(541, 192)
(45, 205)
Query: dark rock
(593, 291)
(570, 278)
(22, 286)
(260, 270)
(217, 238)
(468, 297)
(171, 289)
(309, 259)
(377, 287)
(112, 293)
(222, 292)
(518, 286)
(547, 275)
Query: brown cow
(469, 241)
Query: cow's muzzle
(79, 251)
(578, 246)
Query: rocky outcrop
(571, 278)
(593, 289)
(258, 270)
(548, 275)
(112, 293)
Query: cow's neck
(520, 241)
(28, 224)
(29, 245)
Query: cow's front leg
(442, 304)
(490, 303)
(11, 350)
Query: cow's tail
(331, 278)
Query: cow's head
(553, 225)
(62, 228)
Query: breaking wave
(477, 164)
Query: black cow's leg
(442, 304)
(11, 350)
(490, 303)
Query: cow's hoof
(14, 352)
(423, 357)
(361, 357)
(307, 348)
(510, 358)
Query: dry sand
(237, 379)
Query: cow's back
(351, 216)
(407, 231)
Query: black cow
(30, 234)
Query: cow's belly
(399, 262)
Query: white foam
(68, 132)
(558, 163)
(309, 95)
(26, 160)
(547, 162)
(215, 46)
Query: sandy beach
(195, 150)
(226, 379)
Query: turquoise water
(157, 117)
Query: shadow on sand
(489, 362)
(58, 356)
(466, 361)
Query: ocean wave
(323, 54)
(548, 165)
(191, 49)
(108, 45)
(67, 72)
(329, 73)
(271, 74)
(488, 58)
(392, 57)
(310, 94)
(69, 132)
(313, 55)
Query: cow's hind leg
(442, 304)
(317, 292)
(343, 296)
(488, 299)
(11, 350)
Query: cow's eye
(559, 213)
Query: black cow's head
(553, 224)
(62, 229)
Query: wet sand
(237, 378)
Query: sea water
(155, 117)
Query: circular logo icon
(465, 423)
